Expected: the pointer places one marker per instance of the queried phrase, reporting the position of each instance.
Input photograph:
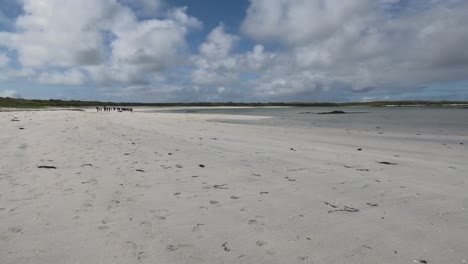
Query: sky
(234, 51)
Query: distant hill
(31, 103)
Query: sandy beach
(87, 187)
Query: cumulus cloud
(4, 60)
(219, 68)
(104, 38)
(152, 45)
(61, 33)
(69, 77)
(302, 21)
(359, 44)
(215, 64)
(301, 49)
(9, 93)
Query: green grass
(27, 103)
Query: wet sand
(87, 187)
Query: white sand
(263, 201)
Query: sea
(414, 119)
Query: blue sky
(243, 50)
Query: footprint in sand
(270, 251)
(147, 227)
(16, 229)
(91, 193)
(197, 227)
(113, 235)
(252, 222)
(160, 214)
(113, 205)
(90, 181)
(173, 248)
(225, 247)
(86, 206)
(290, 179)
(130, 245)
(258, 223)
(142, 256)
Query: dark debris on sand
(386, 163)
(224, 246)
(46, 167)
(344, 209)
(220, 186)
(332, 113)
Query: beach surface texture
(156, 187)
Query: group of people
(109, 109)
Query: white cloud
(215, 64)
(69, 77)
(302, 48)
(4, 60)
(219, 44)
(63, 33)
(358, 44)
(151, 45)
(9, 93)
(8, 73)
(302, 21)
(72, 35)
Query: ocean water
(433, 120)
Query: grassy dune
(32, 103)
